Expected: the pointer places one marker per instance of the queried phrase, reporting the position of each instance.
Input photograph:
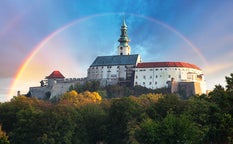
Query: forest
(89, 114)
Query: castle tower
(123, 48)
(55, 77)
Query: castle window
(156, 69)
(150, 77)
(144, 77)
(121, 48)
(156, 82)
(149, 83)
(136, 76)
(156, 76)
(161, 69)
(151, 69)
(121, 53)
(169, 76)
(136, 83)
(165, 69)
(143, 83)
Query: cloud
(217, 68)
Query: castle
(128, 69)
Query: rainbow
(37, 48)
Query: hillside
(87, 115)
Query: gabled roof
(166, 64)
(55, 75)
(115, 60)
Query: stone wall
(39, 92)
(186, 89)
(55, 89)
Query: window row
(157, 69)
(150, 77)
(107, 67)
(150, 83)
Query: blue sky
(194, 31)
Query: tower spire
(123, 23)
(124, 48)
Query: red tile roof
(166, 64)
(55, 74)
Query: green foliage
(171, 129)
(122, 112)
(169, 104)
(148, 132)
(93, 123)
(115, 91)
(83, 117)
(229, 81)
(88, 86)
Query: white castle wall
(108, 74)
(159, 77)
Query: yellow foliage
(97, 96)
(147, 99)
(76, 99)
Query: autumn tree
(3, 137)
(75, 99)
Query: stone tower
(123, 48)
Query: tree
(27, 120)
(168, 103)
(180, 129)
(3, 137)
(229, 81)
(77, 100)
(148, 132)
(124, 114)
(172, 129)
(93, 123)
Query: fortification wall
(39, 92)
